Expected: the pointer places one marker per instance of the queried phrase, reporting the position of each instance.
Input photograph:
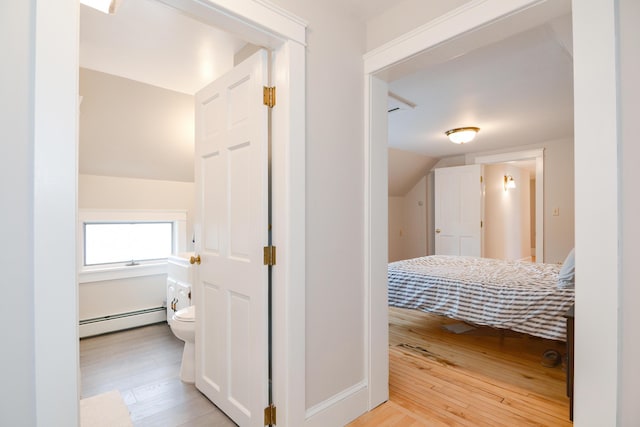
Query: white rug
(104, 410)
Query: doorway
(378, 68)
(56, 100)
(533, 161)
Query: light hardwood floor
(144, 364)
(480, 378)
(436, 378)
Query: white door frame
(55, 198)
(464, 19)
(538, 156)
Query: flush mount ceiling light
(105, 6)
(462, 135)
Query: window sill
(121, 272)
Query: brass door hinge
(269, 255)
(481, 224)
(269, 96)
(270, 415)
(481, 179)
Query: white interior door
(458, 210)
(231, 174)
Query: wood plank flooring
(479, 378)
(437, 378)
(143, 364)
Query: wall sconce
(509, 182)
(462, 135)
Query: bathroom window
(127, 243)
(122, 243)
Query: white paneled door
(458, 210)
(231, 292)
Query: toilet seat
(187, 314)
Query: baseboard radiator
(120, 321)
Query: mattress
(519, 296)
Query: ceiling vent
(398, 103)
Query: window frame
(131, 261)
(111, 271)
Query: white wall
(532, 214)
(39, 372)
(17, 397)
(109, 192)
(335, 179)
(403, 17)
(101, 298)
(599, 211)
(559, 192)
(108, 297)
(396, 228)
(415, 208)
(507, 222)
(133, 129)
(408, 223)
(629, 15)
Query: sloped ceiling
(405, 169)
(514, 82)
(518, 91)
(139, 70)
(134, 130)
(151, 42)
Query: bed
(520, 296)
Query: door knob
(194, 259)
(437, 231)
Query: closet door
(232, 229)
(458, 210)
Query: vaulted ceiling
(516, 85)
(518, 91)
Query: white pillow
(566, 277)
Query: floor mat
(104, 410)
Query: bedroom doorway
(379, 67)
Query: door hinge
(481, 179)
(481, 224)
(269, 255)
(269, 96)
(270, 415)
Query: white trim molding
(113, 273)
(100, 273)
(55, 83)
(470, 16)
(475, 14)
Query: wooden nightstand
(570, 334)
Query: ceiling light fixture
(462, 135)
(105, 6)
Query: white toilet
(184, 327)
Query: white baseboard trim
(121, 323)
(344, 407)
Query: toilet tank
(179, 282)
